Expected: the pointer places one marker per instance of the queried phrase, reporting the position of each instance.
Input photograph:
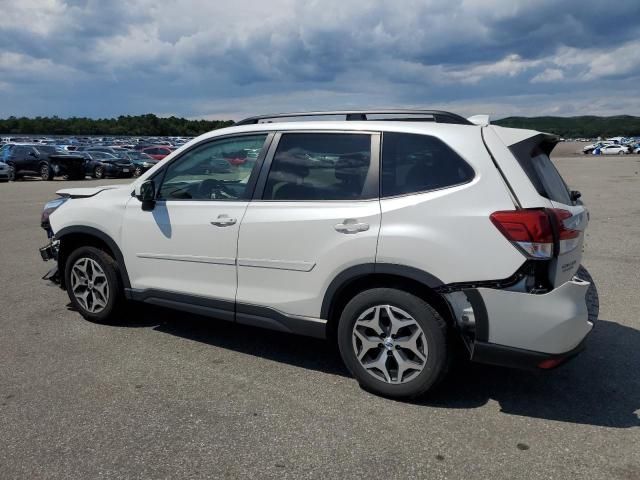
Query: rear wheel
(98, 172)
(93, 285)
(12, 173)
(394, 343)
(137, 172)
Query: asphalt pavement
(178, 396)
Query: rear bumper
(504, 356)
(524, 329)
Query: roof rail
(437, 116)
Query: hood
(87, 191)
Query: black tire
(46, 172)
(12, 173)
(137, 172)
(428, 319)
(111, 313)
(98, 172)
(593, 300)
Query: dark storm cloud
(195, 57)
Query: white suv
(391, 236)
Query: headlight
(50, 207)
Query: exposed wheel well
(377, 280)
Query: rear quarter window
(534, 160)
(413, 163)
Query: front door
(187, 244)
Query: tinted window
(319, 166)
(417, 163)
(533, 156)
(218, 170)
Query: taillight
(535, 231)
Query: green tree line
(143, 125)
(577, 127)
(151, 125)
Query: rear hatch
(568, 218)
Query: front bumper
(530, 330)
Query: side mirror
(146, 193)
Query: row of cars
(610, 147)
(18, 160)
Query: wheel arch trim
(105, 238)
(344, 278)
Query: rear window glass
(414, 163)
(544, 176)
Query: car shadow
(600, 387)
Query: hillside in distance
(578, 127)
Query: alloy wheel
(389, 344)
(45, 174)
(99, 172)
(89, 285)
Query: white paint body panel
(175, 247)
(447, 232)
(296, 251)
(555, 322)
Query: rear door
(316, 212)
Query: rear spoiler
(482, 120)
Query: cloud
(201, 58)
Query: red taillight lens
(532, 231)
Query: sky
(235, 58)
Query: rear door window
(413, 163)
(320, 166)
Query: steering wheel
(214, 189)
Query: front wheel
(46, 173)
(12, 173)
(93, 285)
(137, 172)
(394, 343)
(98, 172)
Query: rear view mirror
(147, 195)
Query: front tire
(137, 172)
(98, 173)
(94, 286)
(12, 173)
(393, 343)
(46, 172)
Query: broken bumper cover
(530, 330)
(50, 252)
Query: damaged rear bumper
(529, 330)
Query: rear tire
(137, 172)
(412, 360)
(12, 173)
(98, 172)
(93, 284)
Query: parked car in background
(614, 150)
(141, 161)
(102, 164)
(45, 161)
(4, 172)
(157, 152)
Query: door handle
(224, 221)
(351, 225)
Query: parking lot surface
(178, 396)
